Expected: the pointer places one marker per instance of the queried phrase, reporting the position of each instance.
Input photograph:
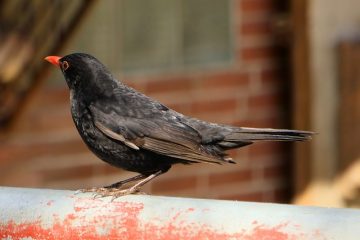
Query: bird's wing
(152, 130)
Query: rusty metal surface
(57, 214)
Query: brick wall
(44, 149)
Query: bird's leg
(120, 183)
(135, 188)
(114, 186)
(116, 192)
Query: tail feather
(236, 137)
(249, 135)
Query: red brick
(253, 197)
(267, 115)
(233, 153)
(269, 122)
(256, 53)
(240, 155)
(256, 28)
(108, 170)
(267, 148)
(257, 5)
(271, 77)
(41, 125)
(174, 184)
(54, 121)
(184, 108)
(79, 172)
(171, 84)
(47, 111)
(214, 106)
(276, 171)
(270, 74)
(265, 100)
(229, 79)
(137, 85)
(221, 117)
(52, 96)
(230, 177)
(18, 153)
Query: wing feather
(159, 134)
(115, 135)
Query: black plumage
(131, 131)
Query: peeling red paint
(88, 229)
(66, 231)
(121, 220)
(263, 233)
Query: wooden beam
(301, 91)
(349, 99)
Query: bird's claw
(122, 192)
(89, 190)
(78, 191)
(97, 192)
(110, 192)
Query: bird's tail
(243, 136)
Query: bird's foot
(115, 193)
(110, 192)
(97, 191)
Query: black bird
(131, 131)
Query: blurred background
(256, 63)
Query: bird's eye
(65, 65)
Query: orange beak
(53, 60)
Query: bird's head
(83, 72)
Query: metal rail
(58, 214)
